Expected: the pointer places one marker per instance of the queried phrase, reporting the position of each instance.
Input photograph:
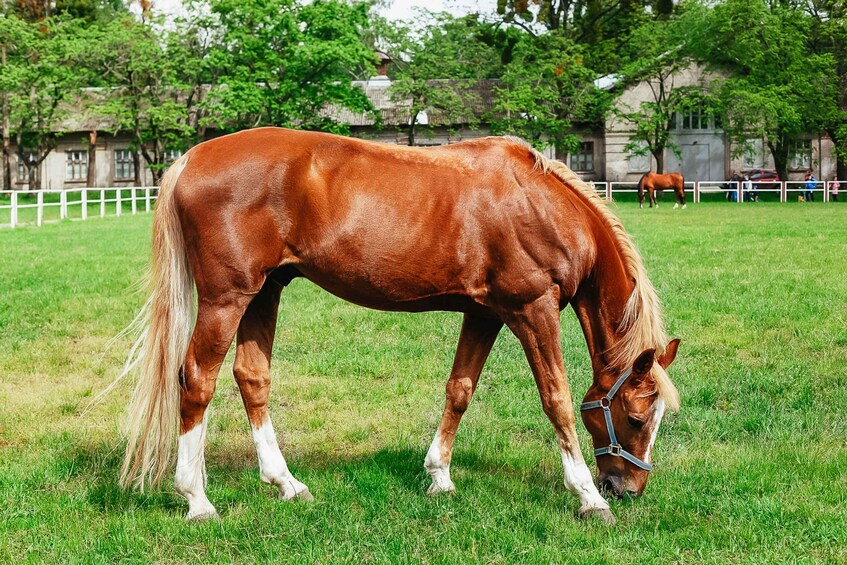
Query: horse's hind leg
(475, 342)
(217, 321)
(252, 373)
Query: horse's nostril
(612, 485)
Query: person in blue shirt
(811, 183)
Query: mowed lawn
(752, 469)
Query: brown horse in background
(489, 228)
(654, 181)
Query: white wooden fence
(37, 207)
(785, 189)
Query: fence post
(740, 195)
(84, 201)
(147, 199)
(102, 202)
(696, 191)
(39, 208)
(826, 191)
(608, 191)
(783, 191)
(14, 218)
(117, 201)
(133, 194)
(63, 204)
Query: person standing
(833, 188)
(811, 183)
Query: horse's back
(386, 226)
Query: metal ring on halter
(614, 447)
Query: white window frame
(583, 159)
(122, 157)
(640, 163)
(800, 155)
(76, 165)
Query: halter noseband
(614, 447)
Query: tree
(438, 61)
(141, 93)
(41, 77)
(547, 90)
(660, 56)
(829, 37)
(778, 88)
(286, 62)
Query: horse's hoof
(303, 495)
(436, 489)
(604, 514)
(202, 516)
(675, 206)
(684, 206)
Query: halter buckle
(605, 402)
(615, 449)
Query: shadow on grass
(384, 474)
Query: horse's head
(623, 421)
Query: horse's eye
(635, 422)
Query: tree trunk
(91, 177)
(7, 136)
(412, 124)
(660, 161)
(779, 150)
(841, 169)
(136, 160)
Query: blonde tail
(165, 323)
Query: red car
(762, 178)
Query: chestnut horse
(489, 228)
(654, 181)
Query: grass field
(751, 470)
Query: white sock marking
(190, 476)
(437, 469)
(578, 480)
(272, 466)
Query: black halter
(614, 447)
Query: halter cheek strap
(614, 447)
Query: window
(23, 172)
(800, 155)
(77, 165)
(583, 159)
(172, 155)
(695, 118)
(639, 163)
(124, 165)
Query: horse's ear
(666, 358)
(644, 362)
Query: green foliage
(438, 62)
(776, 87)
(286, 62)
(658, 58)
(42, 77)
(546, 91)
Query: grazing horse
(654, 181)
(489, 228)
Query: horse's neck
(600, 301)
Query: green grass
(752, 469)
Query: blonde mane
(641, 325)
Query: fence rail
(37, 207)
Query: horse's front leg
(537, 328)
(475, 342)
(252, 370)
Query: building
(705, 151)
